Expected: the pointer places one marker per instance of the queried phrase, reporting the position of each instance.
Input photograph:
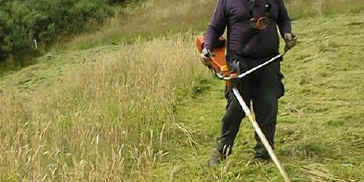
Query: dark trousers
(262, 88)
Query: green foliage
(23, 22)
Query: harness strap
(267, 8)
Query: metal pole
(261, 135)
(218, 75)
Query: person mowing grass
(252, 38)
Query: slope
(148, 111)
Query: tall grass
(152, 18)
(110, 120)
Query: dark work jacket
(242, 38)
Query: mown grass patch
(319, 134)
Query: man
(252, 38)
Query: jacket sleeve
(217, 25)
(283, 22)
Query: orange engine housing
(217, 61)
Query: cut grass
(320, 133)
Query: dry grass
(108, 120)
(152, 18)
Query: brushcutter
(217, 64)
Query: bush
(22, 22)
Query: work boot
(216, 158)
(261, 152)
(220, 154)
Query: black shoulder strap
(267, 6)
(251, 4)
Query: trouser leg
(231, 121)
(265, 104)
(266, 108)
(264, 88)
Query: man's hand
(234, 66)
(205, 56)
(290, 40)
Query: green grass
(149, 111)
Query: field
(133, 103)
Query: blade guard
(217, 61)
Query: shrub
(22, 22)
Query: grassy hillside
(149, 111)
